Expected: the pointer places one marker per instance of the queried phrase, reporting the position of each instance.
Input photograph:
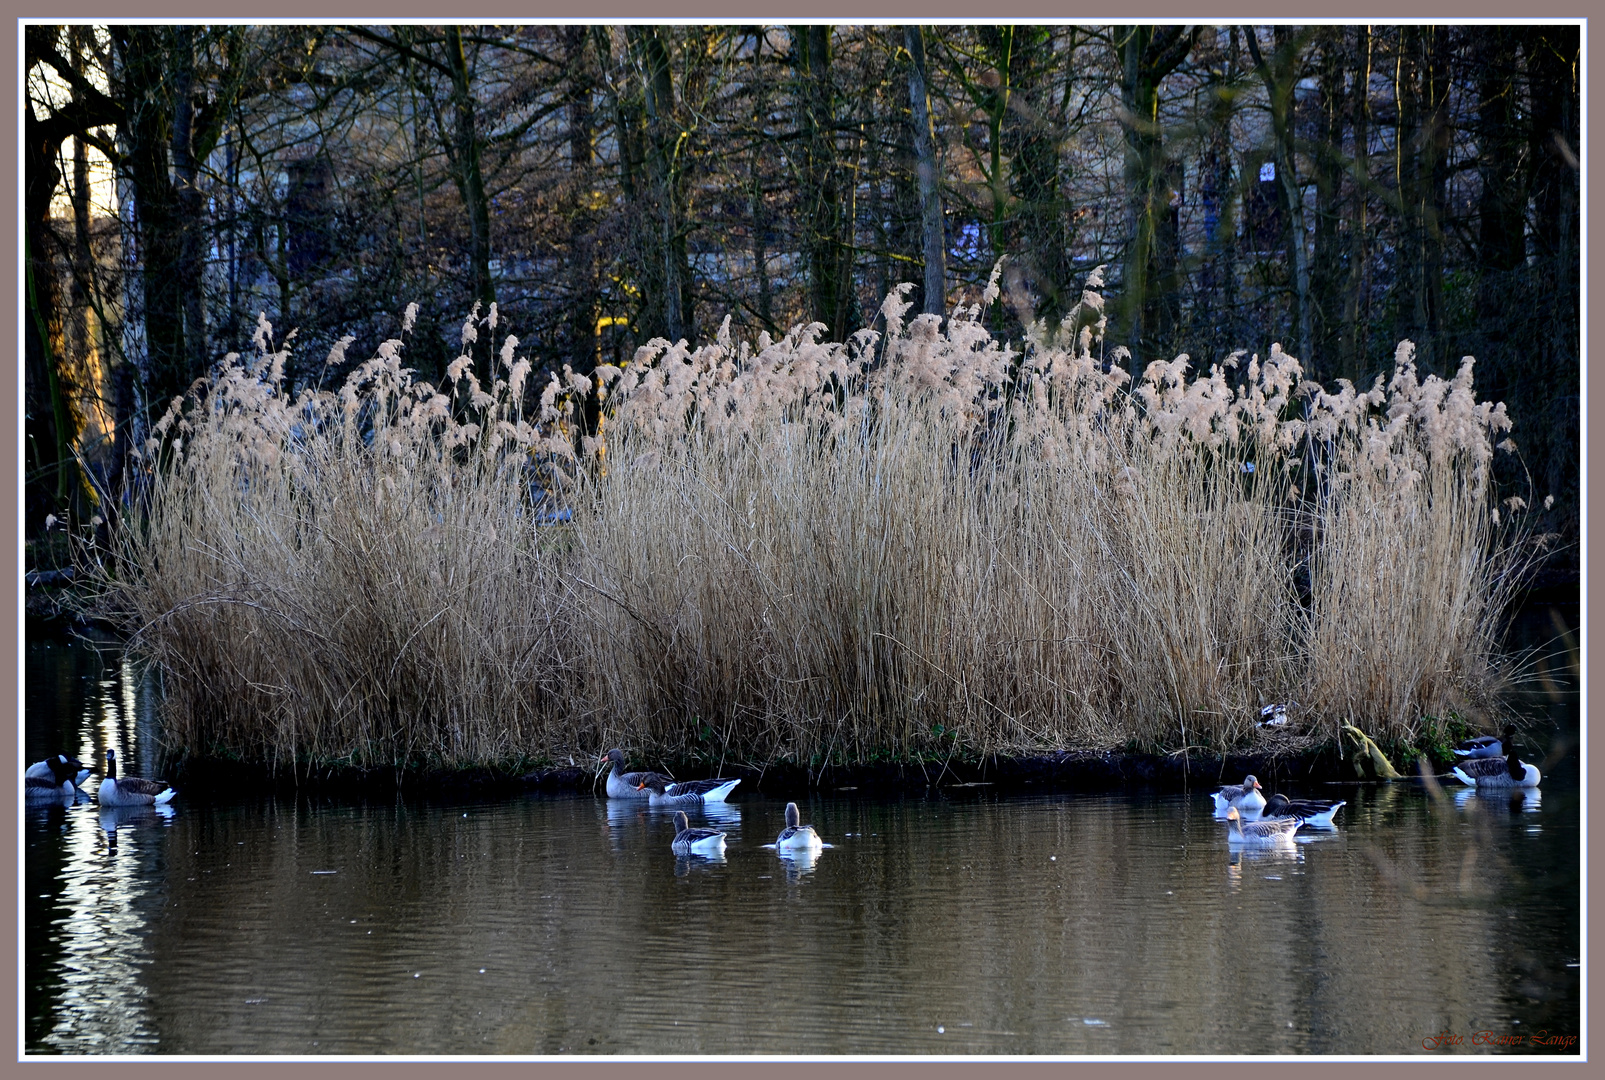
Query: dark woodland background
(1334, 189)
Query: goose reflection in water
(799, 864)
(113, 818)
(1517, 800)
(685, 864)
(1260, 859)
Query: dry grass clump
(917, 542)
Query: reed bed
(921, 542)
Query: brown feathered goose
(130, 790)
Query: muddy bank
(1064, 771)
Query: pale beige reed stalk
(920, 542)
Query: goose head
(681, 822)
(63, 768)
(1250, 784)
(615, 757)
(111, 764)
(793, 818)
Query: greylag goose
(1488, 746)
(689, 841)
(628, 785)
(1314, 811)
(659, 789)
(1263, 831)
(1497, 772)
(130, 790)
(54, 777)
(1244, 796)
(797, 837)
(687, 792)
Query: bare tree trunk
(1357, 305)
(469, 173)
(822, 188)
(665, 172)
(932, 230)
(1148, 279)
(1280, 77)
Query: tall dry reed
(921, 541)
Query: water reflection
(1514, 800)
(798, 864)
(955, 923)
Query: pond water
(963, 922)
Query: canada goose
(55, 777)
(1317, 812)
(689, 841)
(1487, 746)
(1497, 772)
(1263, 831)
(130, 790)
(1244, 796)
(59, 768)
(797, 837)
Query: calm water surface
(965, 922)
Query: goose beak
(1257, 786)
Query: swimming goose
(797, 837)
(689, 841)
(687, 792)
(1314, 811)
(59, 775)
(1487, 746)
(1497, 772)
(130, 790)
(1244, 796)
(1263, 831)
(38, 790)
(629, 785)
(61, 767)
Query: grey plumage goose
(629, 785)
(1314, 811)
(687, 792)
(797, 836)
(1244, 796)
(1263, 831)
(689, 841)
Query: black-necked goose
(797, 837)
(689, 841)
(687, 792)
(1244, 796)
(130, 790)
(1314, 811)
(1488, 746)
(1263, 831)
(1497, 772)
(54, 777)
